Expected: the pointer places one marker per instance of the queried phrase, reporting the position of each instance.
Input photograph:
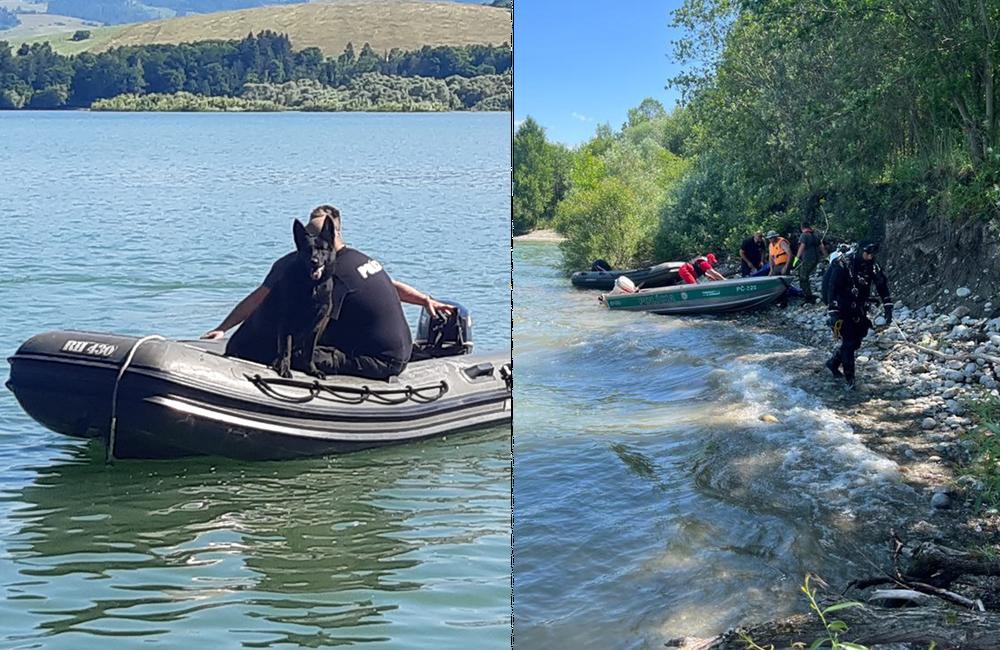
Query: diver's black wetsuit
(851, 280)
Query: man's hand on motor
(435, 306)
(214, 334)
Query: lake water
(650, 499)
(160, 223)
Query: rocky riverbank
(917, 380)
(911, 403)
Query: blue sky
(578, 64)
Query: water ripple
(160, 223)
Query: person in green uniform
(810, 249)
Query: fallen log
(940, 566)
(947, 627)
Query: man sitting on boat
(368, 335)
(700, 266)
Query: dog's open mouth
(318, 273)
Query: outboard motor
(443, 336)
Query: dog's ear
(300, 234)
(327, 231)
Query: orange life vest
(779, 254)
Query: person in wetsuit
(851, 281)
(368, 335)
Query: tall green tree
(539, 177)
(619, 186)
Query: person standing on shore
(779, 253)
(810, 249)
(850, 288)
(751, 254)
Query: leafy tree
(649, 109)
(539, 167)
(367, 61)
(49, 98)
(634, 163)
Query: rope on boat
(113, 427)
(346, 394)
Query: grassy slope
(329, 26)
(61, 41)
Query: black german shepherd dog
(295, 313)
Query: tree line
(843, 113)
(369, 92)
(35, 76)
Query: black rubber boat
(659, 275)
(155, 398)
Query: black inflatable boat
(659, 275)
(155, 398)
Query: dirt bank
(931, 260)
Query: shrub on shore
(182, 102)
(369, 92)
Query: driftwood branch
(949, 596)
(928, 568)
(941, 355)
(940, 566)
(948, 628)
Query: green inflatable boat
(706, 298)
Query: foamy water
(651, 500)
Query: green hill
(329, 26)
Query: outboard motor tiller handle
(444, 335)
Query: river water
(650, 499)
(160, 223)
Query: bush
(182, 102)
(637, 163)
(80, 35)
(604, 221)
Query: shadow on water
(638, 462)
(306, 552)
